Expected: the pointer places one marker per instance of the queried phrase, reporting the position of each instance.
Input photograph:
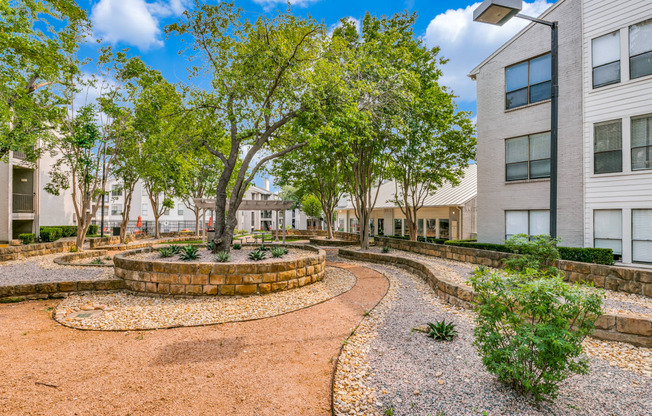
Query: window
(116, 209)
(527, 157)
(607, 145)
(166, 211)
(381, 226)
(420, 227)
(642, 235)
(116, 190)
(444, 229)
(640, 49)
(531, 223)
(608, 229)
(143, 209)
(528, 82)
(406, 230)
(398, 226)
(431, 228)
(606, 59)
(180, 211)
(642, 143)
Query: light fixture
(497, 12)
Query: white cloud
(133, 22)
(466, 43)
(269, 4)
(356, 23)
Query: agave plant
(385, 249)
(166, 252)
(441, 330)
(237, 246)
(286, 251)
(223, 257)
(175, 249)
(278, 252)
(257, 255)
(210, 246)
(189, 253)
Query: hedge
(584, 255)
(92, 229)
(68, 230)
(27, 238)
(420, 238)
(49, 234)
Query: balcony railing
(20, 155)
(23, 203)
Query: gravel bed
(237, 256)
(42, 269)
(122, 311)
(412, 374)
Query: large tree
(265, 75)
(36, 40)
(434, 142)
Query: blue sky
(138, 25)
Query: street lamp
(497, 12)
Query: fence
(23, 203)
(148, 227)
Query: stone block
(246, 289)
(172, 268)
(194, 290)
(6, 291)
(465, 294)
(86, 285)
(605, 322)
(139, 286)
(151, 287)
(189, 269)
(621, 337)
(304, 281)
(277, 286)
(163, 288)
(632, 325)
(210, 290)
(264, 288)
(293, 283)
(644, 276)
(310, 270)
(647, 290)
(204, 269)
(247, 268)
(112, 284)
(222, 269)
(227, 290)
(287, 275)
(199, 279)
(159, 267)
(612, 282)
(597, 280)
(234, 279)
(301, 271)
(176, 289)
(45, 287)
(183, 279)
(252, 278)
(217, 279)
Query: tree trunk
(329, 230)
(157, 234)
(125, 217)
(197, 213)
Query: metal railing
(20, 155)
(23, 203)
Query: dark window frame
(529, 85)
(528, 161)
(629, 52)
(602, 123)
(593, 68)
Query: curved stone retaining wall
(17, 293)
(612, 327)
(143, 244)
(37, 249)
(337, 242)
(226, 279)
(69, 259)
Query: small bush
(530, 327)
(166, 252)
(441, 330)
(73, 249)
(223, 257)
(257, 255)
(587, 255)
(189, 253)
(176, 249)
(92, 229)
(536, 253)
(68, 230)
(237, 246)
(385, 249)
(210, 246)
(98, 261)
(278, 252)
(432, 240)
(286, 251)
(263, 247)
(49, 234)
(27, 238)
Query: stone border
(611, 327)
(617, 278)
(332, 243)
(57, 290)
(35, 249)
(122, 247)
(68, 260)
(225, 279)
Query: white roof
(446, 195)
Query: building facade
(605, 130)
(449, 213)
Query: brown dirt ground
(275, 366)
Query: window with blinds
(642, 235)
(528, 82)
(642, 143)
(531, 223)
(606, 59)
(608, 229)
(607, 146)
(640, 49)
(527, 157)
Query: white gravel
(414, 375)
(42, 269)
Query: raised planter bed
(322, 241)
(73, 259)
(180, 278)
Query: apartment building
(449, 213)
(605, 130)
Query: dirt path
(274, 366)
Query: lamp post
(498, 12)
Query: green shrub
(237, 246)
(210, 246)
(257, 255)
(431, 240)
(587, 255)
(189, 253)
(27, 238)
(176, 249)
(441, 330)
(49, 234)
(480, 246)
(98, 261)
(92, 229)
(223, 257)
(385, 249)
(166, 252)
(73, 249)
(278, 252)
(68, 230)
(536, 253)
(530, 327)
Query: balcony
(20, 155)
(23, 203)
